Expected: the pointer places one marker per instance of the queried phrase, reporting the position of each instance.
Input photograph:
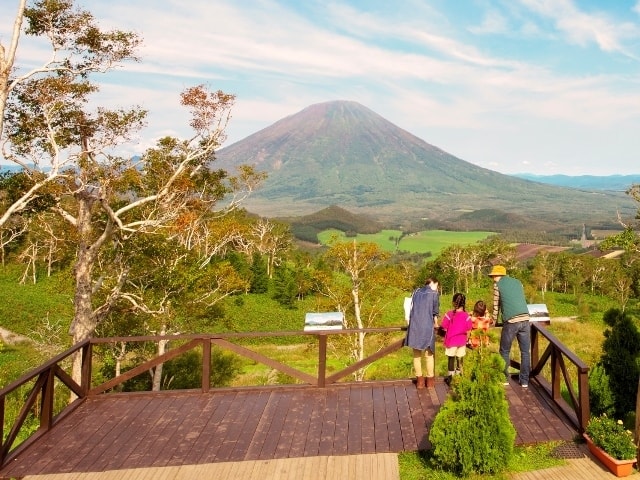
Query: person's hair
(459, 300)
(479, 309)
(430, 280)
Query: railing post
(535, 347)
(206, 364)
(322, 360)
(85, 374)
(46, 401)
(3, 453)
(583, 393)
(556, 374)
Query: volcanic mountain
(342, 153)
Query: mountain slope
(342, 153)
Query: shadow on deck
(145, 430)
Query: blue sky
(537, 86)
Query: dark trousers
(522, 332)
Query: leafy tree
(362, 295)
(50, 91)
(67, 154)
(272, 239)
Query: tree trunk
(360, 342)
(157, 371)
(84, 320)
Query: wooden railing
(558, 362)
(41, 399)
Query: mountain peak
(342, 153)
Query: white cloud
(492, 23)
(583, 28)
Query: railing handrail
(284, 333)
(578, 410)
(577, 361)
(42, 368)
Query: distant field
(422, 242)
(601, 234)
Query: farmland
(433, 241)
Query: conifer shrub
(621, 359)
(600, 394)
(472, 432)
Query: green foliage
(284, 287)
(256, 313)
(620, 359)
(239, 263)
(472, 431)
(259, 274)
(601, 399)
(185, 371)
(611, 436)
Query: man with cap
(510, 303)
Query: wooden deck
(170, 429)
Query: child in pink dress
(457, 324)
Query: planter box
(620, 468)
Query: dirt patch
(11, 338)
(563, 319)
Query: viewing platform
(105, 431)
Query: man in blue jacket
(510, 303)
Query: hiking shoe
(524, 385)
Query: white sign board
(538, 312)
(323, 321)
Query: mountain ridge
(614, 183)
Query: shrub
(472, 432)
(621, 350)
(600, 395)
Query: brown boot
(431, 382)
(420, 383)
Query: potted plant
(612, 444)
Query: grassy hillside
(39, 311)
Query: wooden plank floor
(134, 431)
(373, 466)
